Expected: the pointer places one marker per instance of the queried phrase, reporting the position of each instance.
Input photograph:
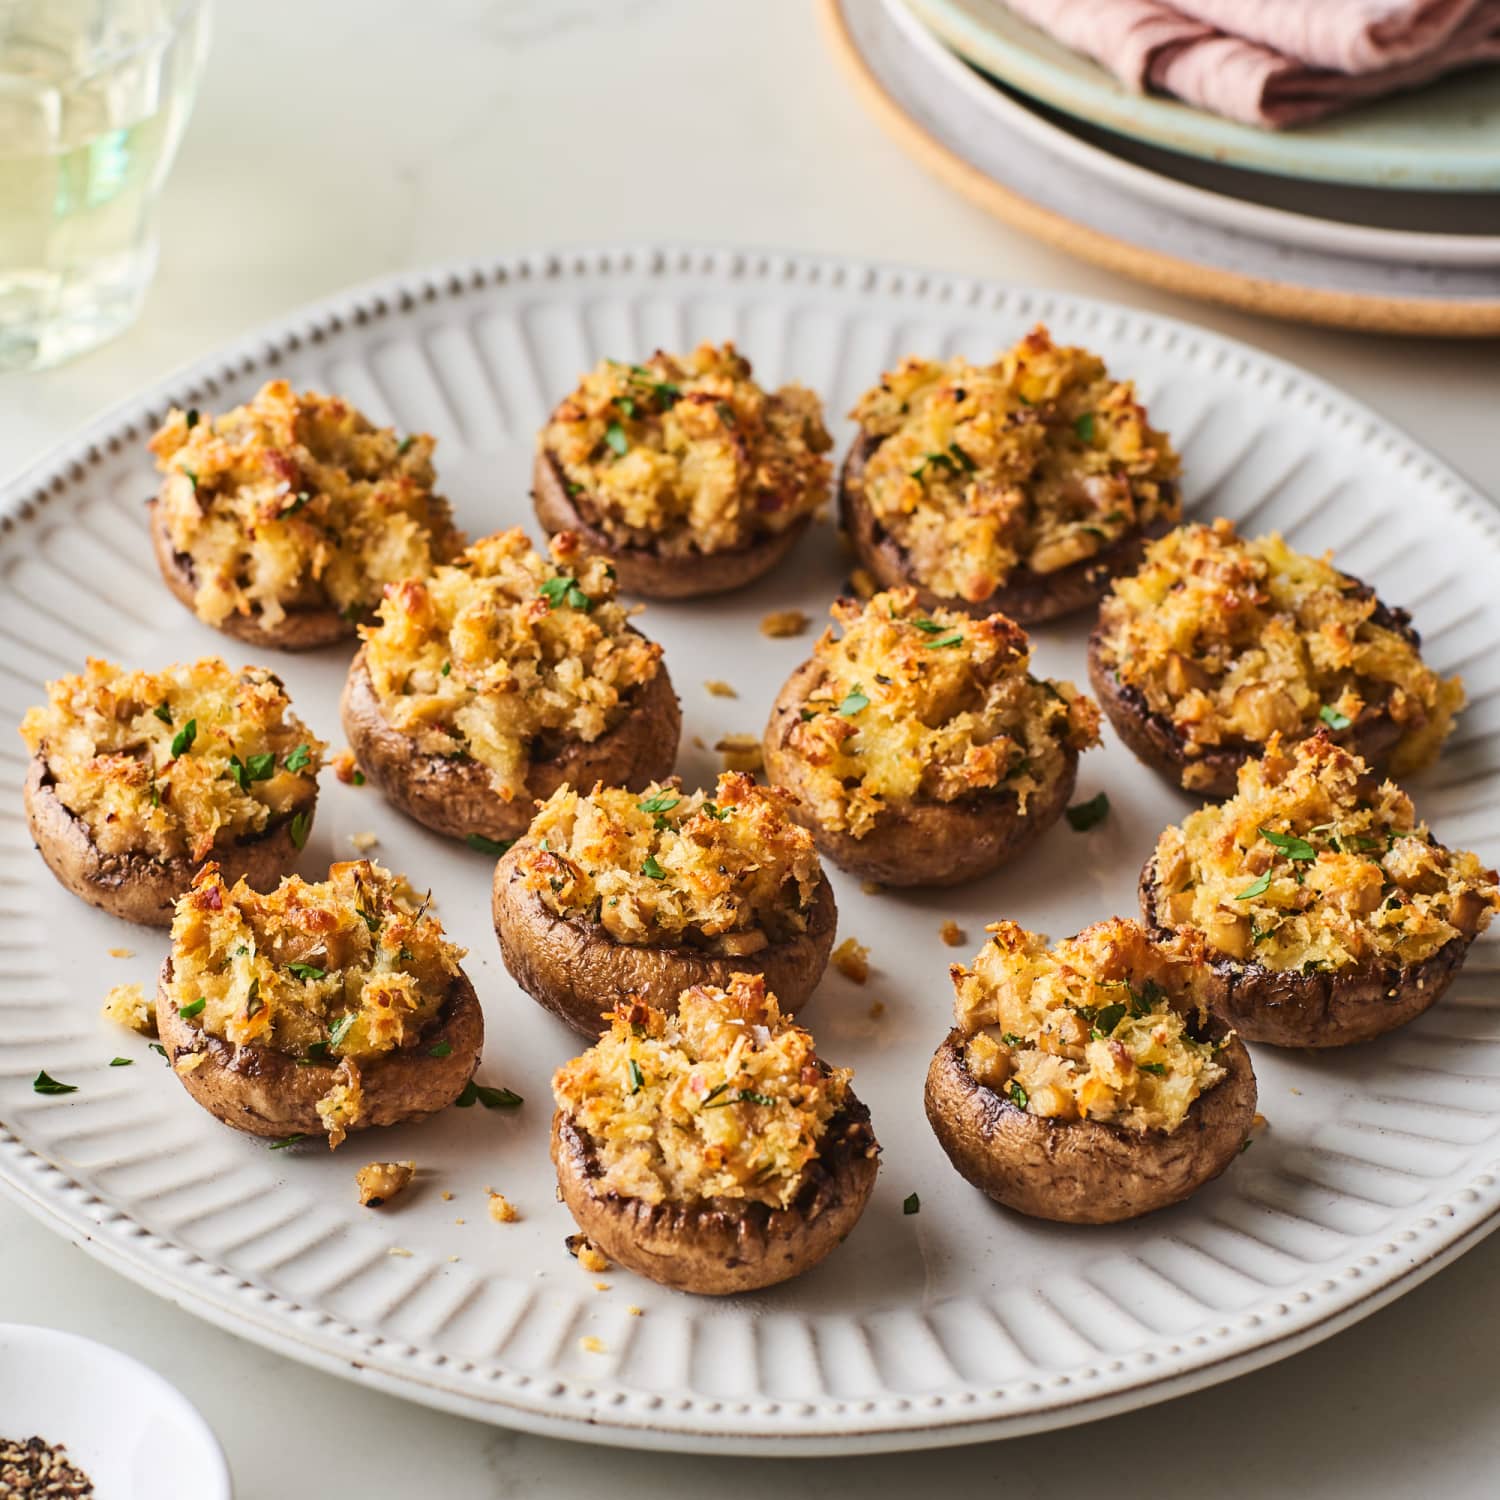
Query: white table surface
(334, 141)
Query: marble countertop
(331, 144)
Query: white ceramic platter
(949, 1325)
(1150, 178)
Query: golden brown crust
(1080, 1171)
(579, 972)
(301, 629)
(1028, 597)
(457, 797)
(136, 887)
(644, 572)
(265, 1092)
(1287, 1008)
(918, 843)
(723, 1246)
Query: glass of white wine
(94, 95)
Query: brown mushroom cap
(916, 843)
(647, 573)
(457, 798)
(137, 887)
(1155, 741)
(575, 969)
(1026, 596)
(725, 1245)
(302, 628)
(1082, 1171)
(265, 1092)
(1287, 1008)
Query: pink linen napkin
(1274, 62)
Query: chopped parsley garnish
(1085, 815)
(1012, 1040)
(440, 1049)
(297, 759)
(404, 446)
(856, 700)
(1260, 887)
(1290, 845)
(1018, 1096)
(317, 1052)
(637, 1078)
(486, 845)
(187, 1011)
(1084, 427)
(182, 741)
(714, 811)
(743, 1096)
(253, 1003)
(1108, 1018)
(121, 1062)
(446, 668)
(307, 971)
(564, 590)
(285, 1141)
(953, 638)
(1159, 1069)
(340, 1028)
(298, 829)
(370, 919)
(44, 1083)
(651, 870)
(158, 1049)
(661, 802)
(614, 435)
(1333, 718)
(163, 713)
(714, 1092)
(359, 778)
(192, 418)
(911, 1204)
(626, 405)
(927, 627)
(192, 478)
(491, 1098)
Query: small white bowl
(134, 1435)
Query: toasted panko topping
(915, 706)
(502, 1210)
(380, 1181)
(587, 1254)
(730, 872)
(346, 968)
(1234, 640)
(1314, 865)
(297, 501)
(1039, 460)
(170, 764)
(688, 454)
(726, 1099)
(852, 959)
(129, 1005)
(485, 655)
(1100, 1027)
(781, 624)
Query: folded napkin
(1274, 62)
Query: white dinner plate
(956, 1323)
(1232, 198)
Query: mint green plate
(1445, 137)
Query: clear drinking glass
(94, 95)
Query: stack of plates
(1386, 218)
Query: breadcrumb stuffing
(952, 934)
(591, 1345)
(877, 1010)
(741, 752)
(502, 1210)
(852, 959)
(364, 842)
(447, 1196)
(862, 581)
(872, 888)
(346, 768)
(122, 952)
(189, 1061)
(634, 1311)
(781, 624)
(601, 1286)
(397, 1250)
(127, 1005)
(716, 687)
(380, 1181)
(588, 1254)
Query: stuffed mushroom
(500, 678)
(137, 778)
(711, 1149)
(316, 1009)
(1217, 643)
(1021, 486)
(618, 895)
(281, 521)
(1330, 914)
(1089, 1082)
(689, 476)
(921, 748)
